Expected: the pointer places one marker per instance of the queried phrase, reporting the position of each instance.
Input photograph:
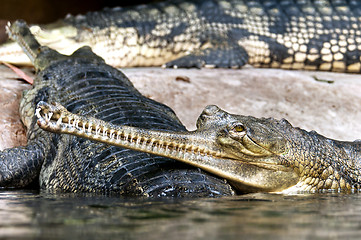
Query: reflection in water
(257, 216)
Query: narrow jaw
(246, 171)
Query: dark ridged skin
(86, 85)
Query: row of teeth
(76, 125)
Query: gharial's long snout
(206, 148)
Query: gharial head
(247, 151)
(265, 154)
(253, 150)
(244, 137)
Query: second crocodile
(312, 35)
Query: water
(30, 215)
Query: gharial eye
(238, 128)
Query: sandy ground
(326, 102)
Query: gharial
(290, 34)
(252, 154)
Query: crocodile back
(313, 35)
(95, 89)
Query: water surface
(32, 215)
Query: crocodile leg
(220, 56)
(20, 166)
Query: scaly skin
(85, 84)
(252, 154)
(290, 34)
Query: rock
(329, 105)
(325, 102)
(12, 130)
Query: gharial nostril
(210, 110)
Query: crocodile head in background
(253, 154)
